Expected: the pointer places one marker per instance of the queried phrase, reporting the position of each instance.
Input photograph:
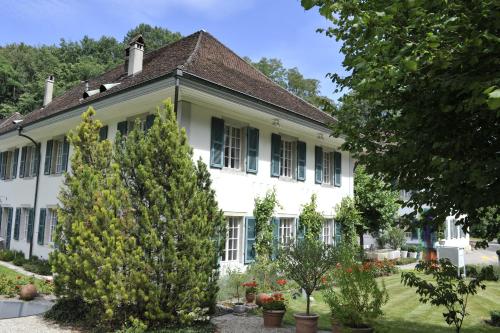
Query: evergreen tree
(178, 218)
(97, 259)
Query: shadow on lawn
(396, 326)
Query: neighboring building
(253, 134)
(453, 234)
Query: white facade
(235, 188)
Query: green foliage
(10, 285)
(10, 255)
(396, 237)
(311, 220)
(384, 267)
(265, 272)
(71, 311)
(488, 272)
(423, 108)
(306, 262)
(235, 280)
(376, 201)
(179, 225)
(405, 261)
(292, 80)
(24, 68)
(263, 212)
(19, 260)
(348, 215)
(449, 291)
(38, 266)
(97, 258)
(354, 296)
(495, 318)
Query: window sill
(288, 179)
(233, 171)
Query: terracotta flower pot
(273, 318)
(366, 329)
(250, 297)
(336, 326)
(306, 323)
(258, 300)
(28, 292)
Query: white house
(252, 133)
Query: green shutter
(275, 155)
(17, 223)
(22, 164)
(338, 233)
(103, 133)
(337, 162)
(9, 227)
(276, 236)
(2, 165)
(31, 222)
(252, 150)
(301, 160)
(318, 165)
(65, 154)
(150, 119)
(1, 213)
(41, 226)
(300, 230)
(48, 158)
(122, 127)
(217, 143)
(249, 239)
(14, 163)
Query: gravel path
(247, 324)
(32, 324)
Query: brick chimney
(134, 55)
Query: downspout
(177, 75)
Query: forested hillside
(24, 68)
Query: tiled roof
(199, 54)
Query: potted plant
(250, 290)
(273, 309)
(404, 251)
(412, 251)
(356, 299)
(420, 252)
(307, 262)
(440, 234)
(235, 278)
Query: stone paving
(231, 323)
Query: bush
(412, 248)
(384, 268)
(71, 311)
(488, 273)
(38, 266)
(354, 296)
(495, 318)
(404, 248)
(405, 261)
(19, 259)
(396, 237)
(7, 255)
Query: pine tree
(96, 259)
(178, 218)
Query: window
(232, 147)
(51, 224)
(286, 230)
(31, 162)
(56, 156)
(286, 154)
(327, 167)
(408, 234)
(232, 240)
(8, 164)
(4, 220)
(25, 225)
(326, 234)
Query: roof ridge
(195, 50)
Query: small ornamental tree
(181, 228)
(96, 259)
(311, 220)
(450, 290)
(306, 262)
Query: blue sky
(255, 28)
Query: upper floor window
(232, 147)
(29, 162)
(8, 164)
(124, 127)
(328, 167)
(56, 156)
(288, 158)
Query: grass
(41, 285)
(404, 313)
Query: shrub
(354, 296)
(449, 290)
(19, 260)
(495, 318)
(412, 248)
(38, 266)
(72, 311)
(488, 273)
(7, 255)
(404, 248)
(396, 237)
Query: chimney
(49, 90)
(134, 55)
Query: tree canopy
(423, 107)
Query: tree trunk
(308, 296)
(361, 240)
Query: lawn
(403, 312)
(41, 285)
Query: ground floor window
(327, 231)
(232, 239)
(286, 230)
(51, 224)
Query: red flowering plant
(274, 302)
(250, 287)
